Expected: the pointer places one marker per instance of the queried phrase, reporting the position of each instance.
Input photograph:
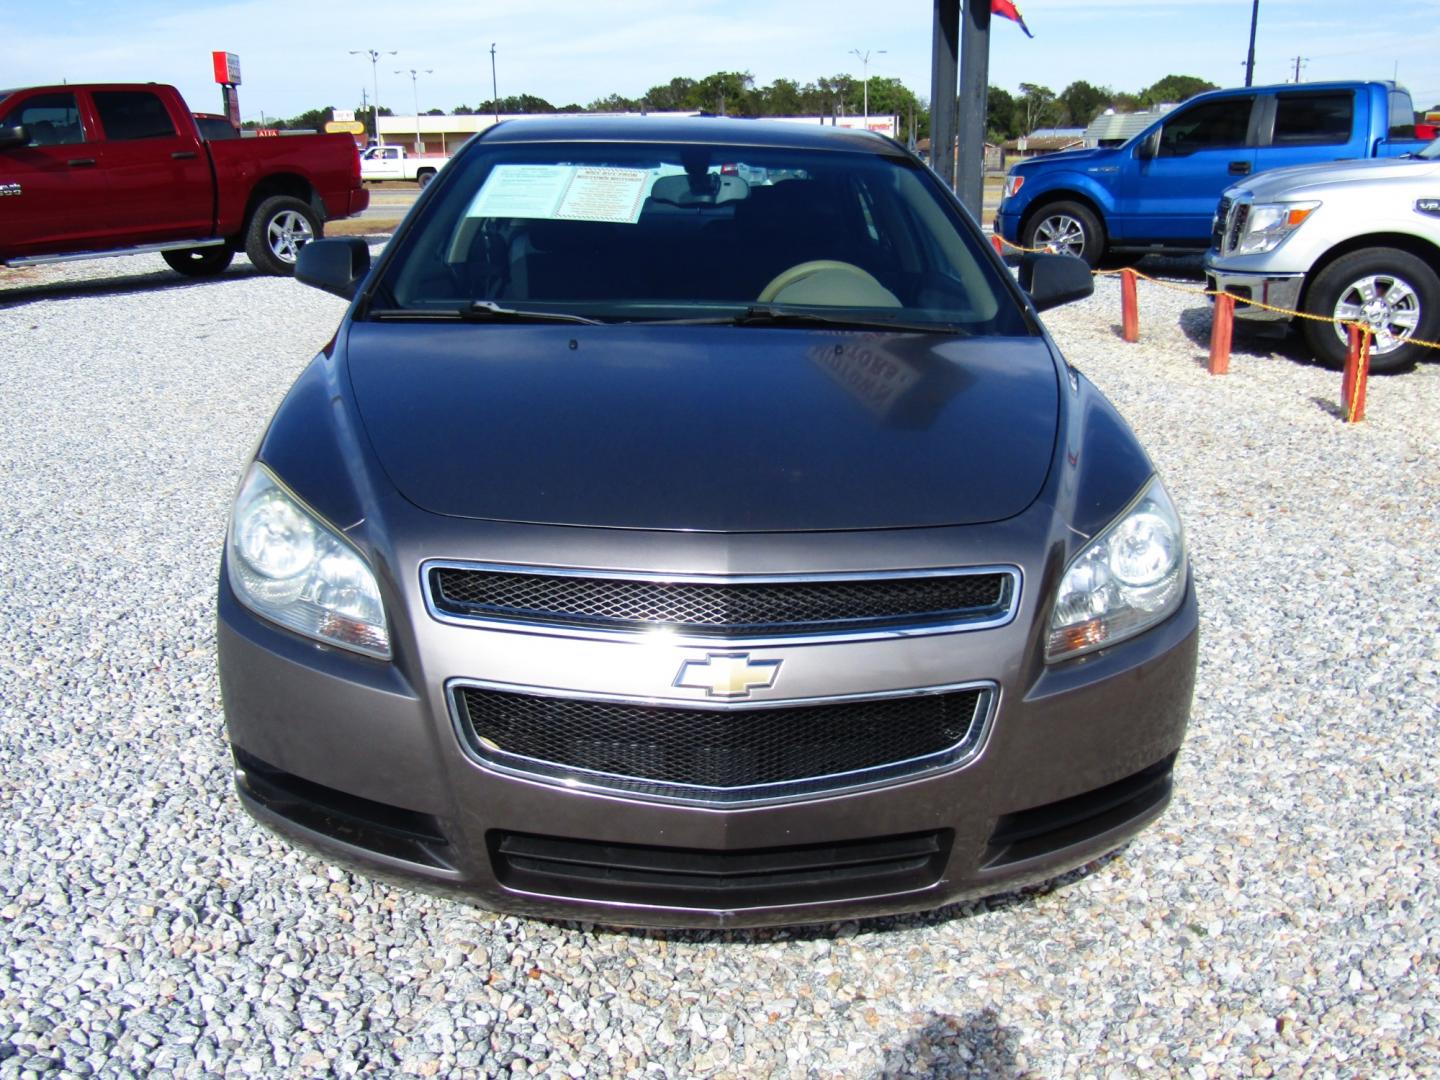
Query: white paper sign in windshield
(563, 193)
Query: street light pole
(865, 67)
(375, 55)
(495, 86)
(415, 88)
(1250, 59)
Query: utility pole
(375, 55)
(974, 89)
(494, 85)
(944, 63)
(865, 68)
(1250, 60)
(1300, 61)
(415, 88)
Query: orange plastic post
(1357, 375)
(1222, 329)
(1129, 306)
(1352, 365)
(997, 244)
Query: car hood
(723, 429)
(1069, 158)
(1298, 178)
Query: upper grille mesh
(784, 607)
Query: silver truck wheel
(1392, 292)
(1066, 228)
(281, 226)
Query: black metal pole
(495, 85)
(974, 89)
(944, 63)
(1250, 59)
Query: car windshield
(624, 232)
(1431, 152)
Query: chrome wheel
(1060, 233)
(287, 233)
(1386, 303)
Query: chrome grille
(682, 753)
(1239, 216)
(1219, 225)
(727, 608)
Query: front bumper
(360, 761)
(1275, 290)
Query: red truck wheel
(199, 262)
(280, 227)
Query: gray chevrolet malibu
(692, 524)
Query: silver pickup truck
(1357, 241)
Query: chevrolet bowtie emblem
(728, 675)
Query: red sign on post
(227, 68)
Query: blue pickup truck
(1158, 191)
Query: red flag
(1007, 9)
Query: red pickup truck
(118, 169)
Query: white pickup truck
(1356, 241)
(396, 163)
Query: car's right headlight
(1124, 581)
(1270, 223)
(289, 565)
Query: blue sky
(294, 56)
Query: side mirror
(19, 135)
(1149, 146)
(1052, 280)
(336, 266)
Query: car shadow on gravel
(977, 1044)
(16, 295)
(1257, 342)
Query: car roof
(704, 130)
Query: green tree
(1038, 108)
(672, 97)
(1084, 102)
(614, 103)
(1174, 89)
(1000, 115)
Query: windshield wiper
(480, 311)
(766, 315)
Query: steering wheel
(859, 287)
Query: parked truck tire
(423, 177)
(200, 262)
(1394, 292)
(279, 228)
(1067, 228)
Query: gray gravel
(1281, 919)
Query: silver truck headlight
(1270, 223)
(288, 565)
(1123, 582)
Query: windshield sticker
(562, 192)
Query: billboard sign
(227, 68)
(343, 116)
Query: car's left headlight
(289, 565)
(1124, 581)
(1270, 223)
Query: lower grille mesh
(669, 749)
(719, 879)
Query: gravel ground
(1281, 919)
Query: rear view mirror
(19, 135)
(1149, 146)
(336, 266)
(1052, 280)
